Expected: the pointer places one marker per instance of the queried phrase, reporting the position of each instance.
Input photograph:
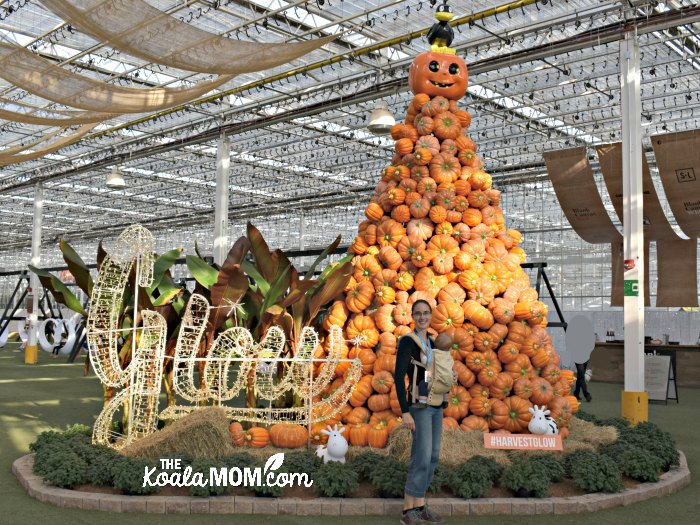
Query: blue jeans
(425, 449)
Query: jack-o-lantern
(438, 74)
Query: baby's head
(443, 342)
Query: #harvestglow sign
(523, 441)
(171, 474)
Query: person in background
(425, 422)
(581, 382)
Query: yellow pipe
(334, 60)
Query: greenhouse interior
(287, 145)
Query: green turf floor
(53, 394)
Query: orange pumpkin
(419, 100)
(474, 422)
(366, 267)
(378, 402)
(237, 433)
(389, 233)
(438, 74)
(361, 328)
(402, 314)
(503, 310)
(385, 277)
(357, 435)
(501, 387)
(404, 146)
(465, 376)
(437, 214)
(424, 125)
(519, 367)
(522, 387)
(498, 416)
(471, 217)
(360, 297)
(462, 342)
(518, 414)
(367, 357)
(257, 437)
(288, 435)
(357, 416)
(420, 228)
(541, 391)
(478, 315)
(508, 352)
(390, 258)
(382, 382)
(449, 423)
(374, 211)
(387, 343)
(447, 126)
(444, 168)
(452, 293)
(446, 315)
(480, 406)
(361, 392)
(377, 436)
(457, 402)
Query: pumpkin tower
(434, 231)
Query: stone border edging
(670, 482)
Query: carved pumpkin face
(438, 74)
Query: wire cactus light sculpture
(226, 368)
(142, 377)
(234, 352)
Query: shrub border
(670, 482)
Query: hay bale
(202, 434)
(586, 435)
(457, 446)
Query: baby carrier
(440, 368)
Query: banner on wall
(676, 258)
(678, 159)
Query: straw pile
(586, 435)
(202, 434)
(457, 446)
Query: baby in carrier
(436, 374)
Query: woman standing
(425, 422)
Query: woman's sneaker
(412, 517)
(430, 516)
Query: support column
(635, 400)
(301, 231)
(223, 165)
(31, 354)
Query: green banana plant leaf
(263, 258)
(328, 270)
(77, 267)
(166, 292)
(59, 290)
(162, 265)
(237, 252)
(333, 286)
(277, 288)
(228, 290)
(197, 251)
(250, 270)
(325, 253)
(101, 254)
(203, 273)
(167, 297)
(282, 264)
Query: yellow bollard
(635, 407)
(31, 355)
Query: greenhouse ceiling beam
(610, 34)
